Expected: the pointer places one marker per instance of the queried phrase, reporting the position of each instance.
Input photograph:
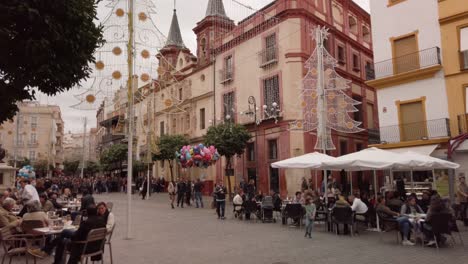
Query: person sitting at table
(108, 216)
(34, 212)
(403, 222)
(425, 201)
(66, 195)
(342, 203)
(298, 199)
(46, 204)
(63, 241)
(53, 200)
(410, 207)
(436, 208)
(259, 196)
(7, 218)
(358, 206)
(394, 200)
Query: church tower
(211, 29)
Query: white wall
(401, 19)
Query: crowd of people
(47, 200)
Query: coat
(93, 222)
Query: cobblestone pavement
(189, 235)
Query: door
(413, 121)
(406, 55)
(274, 179)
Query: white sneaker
(407, 243)
(431, 243)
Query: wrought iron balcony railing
(464, 60)
(268, 56)
(430, 129)
(226, 75)
(406, 63)
(373, 136)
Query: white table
(48, 231)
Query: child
(310, 215)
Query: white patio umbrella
(313, 160)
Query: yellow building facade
(453, 19)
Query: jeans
(405, 226)
(220, 206)
(180, 199)
(309, 225)
(198, 197)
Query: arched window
(352, 24)
(366, 34)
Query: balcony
(111, 138)
(226, 75)
(430, 129)
(33, 144)
(268, 56)
(463, 60)
(373, 136)
(410, 67)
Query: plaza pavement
(194, 236)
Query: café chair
(109, 244)
(92, 246)
(13, 245)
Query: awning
(424, 150)
(462, 147)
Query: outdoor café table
(47, 231)
(416, 221)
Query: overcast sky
(189, 13)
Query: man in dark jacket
(181, 189)
(220, 196)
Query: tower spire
(216, 8)
(174, 37)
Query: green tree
(114, 155)
(91, 168)
(45, 46)
(167, 146)
(230, 140)
(138, 166)
(20, 162)
(40, 167)
(70, 167)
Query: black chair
(344, 216)
(294, 211)
(389, 224)
(440, 224)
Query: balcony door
(405, 54)
(412, 121)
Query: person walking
(188, 193)
(198, 188)
(310, 216)
(171, 189)
(181, 189)
(220, 196)
(144, 189)
(462, 195)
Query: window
(161, 128)
(352, 24)
(272, 149)
(464, 48)
(202, 118)
(203, 47)
(274, 179)
(187, 122)
(356, 62)
(33, 138)
(174, 125)
(180, 94)
(32, 155)
(33, 121)
(366, 36)
(370, 115)
(358, 114)
(228, 67)
(412, 120)
(341, 54)
(270, 48)
(343, 147)
(325, 44)
(271, 93)
(251, 151)
(228, 101)
(405, 53)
